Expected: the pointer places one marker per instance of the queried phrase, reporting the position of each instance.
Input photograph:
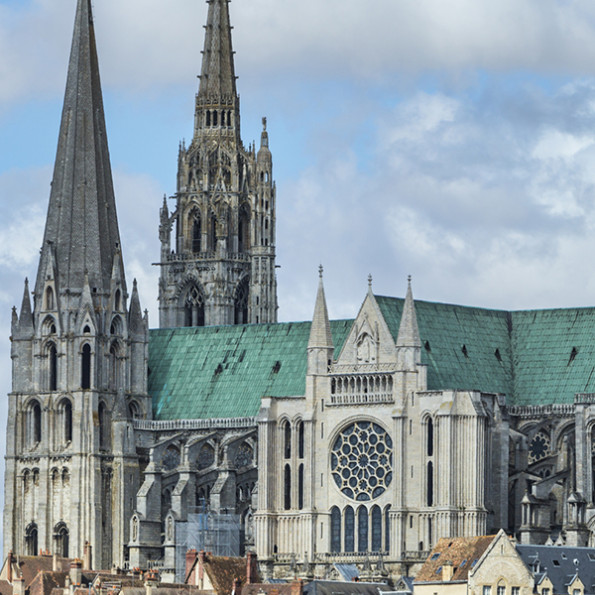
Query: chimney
(250, 568)
(76, 572)
(55, 562)
(447, 571)
(88, 556)
(297, 587)
(18, 586)
(151, 581)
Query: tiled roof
(219, 372)
(533, 357)
(462, 552)
(223, 570)
(320, 587)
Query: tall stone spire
(81, 228)
(320, 344)
(217, 80)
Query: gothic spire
(81, 226)
(408, 330)
(217, 79)
(320, 332)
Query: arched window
(387, 528)
(287, 440)
(53, 366)
(118, 300)
(61, 539)
(301, 486)
(49, 298)
(335, 529)
(430, 484)
(362, 529)
(240, 305)
(134, 410)
(194, 308)
(86, 366)
(212, 232)
(104, 427)
(376, 529)
(244, 231)
(349, 529)
(116, 326)
(114, 367)
(33, 423)
(31, 539)
(300, 431)
(65, 416)
(430, 437)
(196, 231)
(287, 487)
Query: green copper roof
(219, 372)
(533, 357)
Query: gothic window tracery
(194, 308)
(241, 302)
(243, 456)
(361, 461)
(539, 447)
(206, 457)
(171, 458)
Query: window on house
(487, 590)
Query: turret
(408, 341)
(320, 344)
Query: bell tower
(79, 352)
(218, 244)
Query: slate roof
(561, 565)
(318, 587)
(534, 357)
(462, 552)
(223, 371)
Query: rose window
(539, 447)
(362, 460)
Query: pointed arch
(52, 355)
(362, 529)
(115, 368)
(31, 539)
(376, 529)
(244, 229)
(118, 300)
(195, 230)
(61, 539)
(240, 302)
(86, 366)
(117, 326)
(49, 298)
(33, 423)
(65, 421)
(335, 529)
(349, 518)
(193, 302)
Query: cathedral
(310, 443)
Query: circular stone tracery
(361, 460)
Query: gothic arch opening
(61, 540)
(244, 230)
(212, 232)
(52, 366)
(376, 529)
(195, 229)
(335, 529)
(349, 529)
(240, 302)
(194, 306)
(287, 439)
(65, 420)
(33, 423)
(31, 539)
(86, 366)
(362, 529)
(114, 366)
(49, 298)
(287, 487)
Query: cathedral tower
(79, 353)
(218, 245)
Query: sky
(450, 140)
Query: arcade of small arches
(363, 529)
(292, 438)
(59, 423)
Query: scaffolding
(219, 533)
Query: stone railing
(195, 424)
(210, 255)
(361, 368)
(525, 411)
(414, 555)
(348, 557)
(584, 398)
(361, 389)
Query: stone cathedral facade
(311, 443)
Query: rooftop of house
(561, 564)
(461, 553)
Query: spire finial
(320, 271)
(264, 123)
(370, 280)
(408, 279)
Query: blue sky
(453, 141)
